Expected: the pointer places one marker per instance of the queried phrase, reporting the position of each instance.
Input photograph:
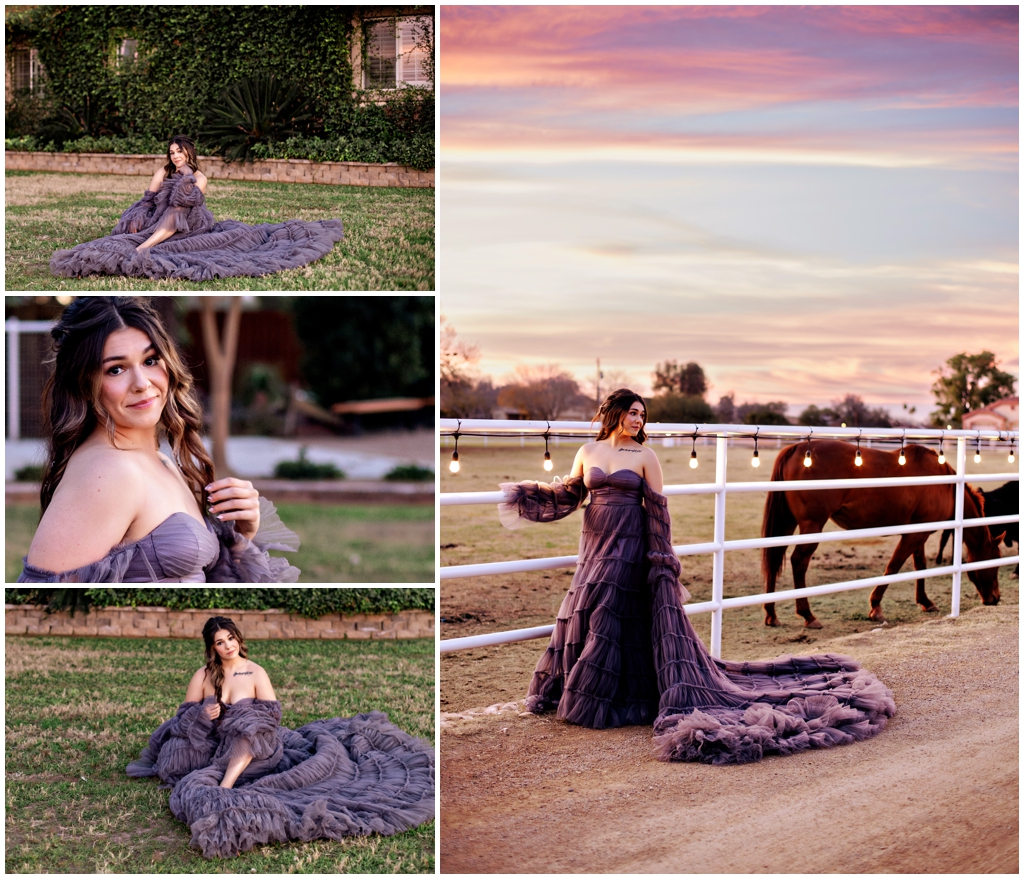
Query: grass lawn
(388, 245)
(78, 710)
(340, 544)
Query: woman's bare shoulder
(200, 176)
(94, 461)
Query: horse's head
(981, 545)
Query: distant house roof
(1001, 415)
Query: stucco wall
(159, 622)
(269, 170)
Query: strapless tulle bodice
(620, 488)
(182, 549)
(176, 551)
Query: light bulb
(858, 460)
(755, 461)
(547, 462)
(942, 457)
(454, 466)
(977, 457)
(902, 459)
(807, 459)
(693, 460)
(1011, 458)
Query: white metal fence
(720, 488)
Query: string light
(454, 465)
(548, 465)
(1011, 457)
(807, 454)
(942, 449)
(693, 452)
(858, 460)
(977, 451)
(755, 461)
(903, 442)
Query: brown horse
(854, 508)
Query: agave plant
(255, 110)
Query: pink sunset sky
(809, 202)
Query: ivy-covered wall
(186, 56)
(311, 602)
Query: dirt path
(936, 792)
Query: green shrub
(254, 110)
(311, 603)
(29, 473)
(410, 473)
(306, 469)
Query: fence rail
(720, 488)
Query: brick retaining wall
(269, 170)
(159, 622)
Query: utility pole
(600, 375)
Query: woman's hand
(212, 711)
(235, 500)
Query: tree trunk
(220, 355)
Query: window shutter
(22, 69)
(416, 38)
(381, 54)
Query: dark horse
(852, 508)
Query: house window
(399, 52)
(28, 72)
(127, 52)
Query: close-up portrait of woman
(114, 507)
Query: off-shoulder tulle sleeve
(185, 192)
(249, 728)
(247, 561)
(109, 569)
(529, 501)
(180, 745)
(664, 564)
(138, 216)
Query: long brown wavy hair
(214, 669)
(612, 410)
(71, 404)
(186, 145)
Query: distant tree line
(965, 383)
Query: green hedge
(311, 603)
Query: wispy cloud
(808, 201)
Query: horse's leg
(799, 561)
(904, 549)
(946, 535)
(920, 563)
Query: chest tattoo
(237, 673)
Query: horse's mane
(978, 498)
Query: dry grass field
(471, 534)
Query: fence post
(13, 380)
(718, 563)
(958, 516)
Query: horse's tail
(778, 521)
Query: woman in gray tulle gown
(170, 233)
(623, 651)
(240, 779)
(115, 509)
